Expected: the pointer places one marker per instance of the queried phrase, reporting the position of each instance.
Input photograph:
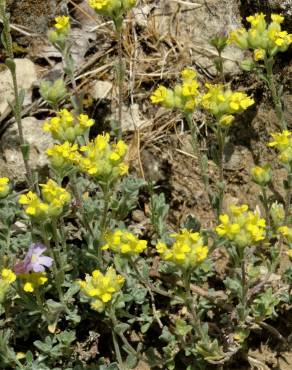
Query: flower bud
(261, 175)
(53, 92)
(4, 187)
(247, 65)
(277, 213)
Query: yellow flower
(241, 227)
(4, 187)
(66, 127)
(226, 120)
(63, 155)
(54, 197)
(188, 249)
(33, 280)
(122, 241)
(159, 95)
(101, 288)
(259, 54)
(277, 18)
(239, 37)
(289, 253)
(283, 142)
(62, 23)
(257, 21)
(34, 206)
(239, 102)
(8, 276)
(103, 160)
(286, 232)
(188, 74)
(261, 175)
(111, 8)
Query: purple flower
(34, 261)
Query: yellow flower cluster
(188, 249)
(61, 31)
(185, 96)
(223, 103)
(33, 280)
(63, 156)
(54, 199)
(101, 288)
(262, 38)
(62, 23)
(261, 175)
(102, 160)
(241, 227)
(4, 187)
(124, 242)
(65, 127)
(286, 232)
(112, 8)
(283, 142)
(7, 278)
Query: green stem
(120, 78)
(275, 95)
(190, 305)
(18, 106)
(196, 149)
(221, 135)
(244, 286)
(117, 350)
(266, 206)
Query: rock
(11, 162)
(132, 118)
(26, 74)
(101, 89)
(195, 24)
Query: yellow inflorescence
(261, 175)
(63, 155)
(283, 142)
(124, 242)
(8, 276)
(102, 160)
(62, 23)
(4, 187)
(188, 249)
(54, 199)
(262, 38)
(101, 288)
(111, 8)
(65, 127)
(184, 96)
(223, 103)
(242, 227)
(33, 280)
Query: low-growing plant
(76, 266)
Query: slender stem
(18, 106)
(275, 95)
(120, 78)
(197, 152)
(117, 350)
(221, 186)
(244, 289)
(266, 205)
(190, 304)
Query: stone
(26, 74)
(101, 89)
(194, 24)
(11, 162)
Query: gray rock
(11, 162)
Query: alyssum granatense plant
(77, 264)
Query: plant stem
(244, 289)
(190, 305)
(266, 205)
(275, 95)
(120, 79)
(117, 350)
(18, 105)
(197, 152)
(221, 135)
